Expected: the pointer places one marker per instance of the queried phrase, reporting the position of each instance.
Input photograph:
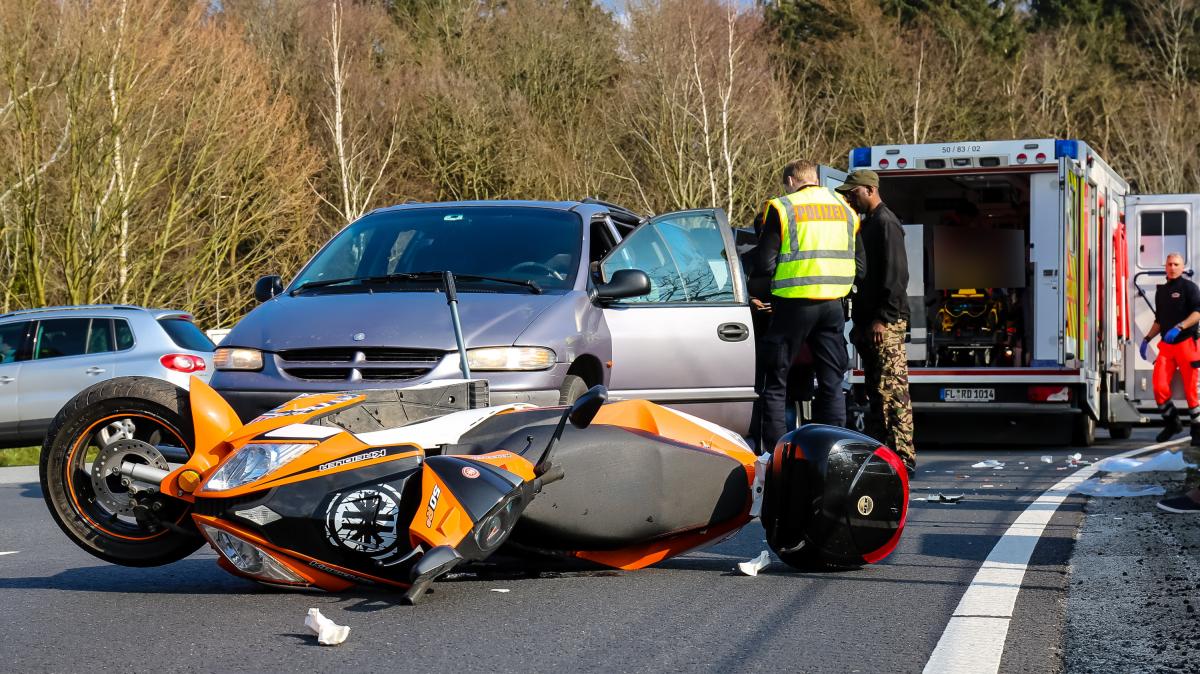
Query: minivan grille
(350, 364)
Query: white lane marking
(974, 639)
(9, 553)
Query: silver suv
(554, 297)
(48, 355)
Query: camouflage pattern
(885, 369)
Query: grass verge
(20, 456)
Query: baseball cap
(860, 178)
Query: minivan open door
(689, 343)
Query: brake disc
(109, 486)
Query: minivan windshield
(504, 242)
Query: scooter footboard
(833, 497)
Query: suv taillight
(183, 362)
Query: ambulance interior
(970, 272)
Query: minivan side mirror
(624, 283)
(267, 287)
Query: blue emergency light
(1066, 148)
(860, 157)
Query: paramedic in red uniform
(1176, 308)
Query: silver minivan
(547, 309)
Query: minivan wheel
(572, 387)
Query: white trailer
(1160, 224)
(1018, 264)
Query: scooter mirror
(586, 407)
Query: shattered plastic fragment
(1094, 487)
(328, 632)
(942, 498)
(1164, 461)
(752, 567)
(989, 463)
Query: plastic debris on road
(989, 463)
(500, 589)
(1094, 487)
(752, 567)
(942, 498)
(1046, 458)
(1163, 461)
(1077, 459)
(328, 632)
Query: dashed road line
(13, 552)
(973, 641)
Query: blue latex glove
(1142, 349)
(1172, 335)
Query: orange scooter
(396, 487)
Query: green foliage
(20, 456)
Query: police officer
(1176, 304)
(881, 317)
(807, 249)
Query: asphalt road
(62, 610)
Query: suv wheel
(572, 387)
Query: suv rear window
(186, 335)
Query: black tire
(572, 387)
(1083, 431)
(161, 414)
(1120, 431)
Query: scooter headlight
(251, 463)
(496, 526)
(249, 558)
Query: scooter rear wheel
(136, 419)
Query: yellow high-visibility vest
(816, 255)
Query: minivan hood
(410, 319)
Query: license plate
(968, 395)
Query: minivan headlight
(229, 358)
(251, 463)
(501, 358)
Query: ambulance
(1020, 264)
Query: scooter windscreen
(833, 498)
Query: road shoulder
(1133, 603)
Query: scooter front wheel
(127, 419)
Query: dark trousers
(820, 324)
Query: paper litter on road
(1094, 487)
(989, 463)
(1046, 458)
(752, 567)
(1163, 461)
(328, 632)
(500, 589)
